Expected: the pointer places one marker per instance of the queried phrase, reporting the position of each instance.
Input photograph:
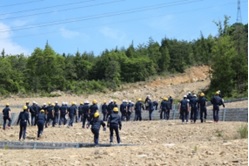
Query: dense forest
(45, 70)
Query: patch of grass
(219, 133)
(243, 131)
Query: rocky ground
(155, 143)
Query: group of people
(88, 114)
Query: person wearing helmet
(150, 107)
(202, 102)
(56, 113)
(85, 113)
(33, 113)
(95, 124)
(50, 114)
(104, 110)
(194, 107)
(138, 109)
(93, 108)
(114, 123)
(63, 112)
(184, 109)
(71, 113)
(165, 109)
(23, 119)
(216, 101)
(40, 121)
(6, 116)
(123, 110)
(130, 106)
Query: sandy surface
(157, 143)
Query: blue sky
(96, 25)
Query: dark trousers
(114, 128)
(5, 118)
(49, 119)
(123, 116)
(163, 114)
(71, 119)
(96, 136)
(167, 114)
(150, 114)
(203, 112)
(184, 115)
(62, 120)
(128, 115)
(216, 113)
(33, 117)
(104, 116)
(55, 119)
(193, 113)
(22, 133)
(40, 126)
(84, 119)
(138, 115)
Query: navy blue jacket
(6, 111)
(23, 117)
(96, 123)
(114, 120)
(41, 118)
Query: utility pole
(239, 19)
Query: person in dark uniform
(194, 107)
(150, 108)
(129, 110)
(40, 121)
(184, 109)
(23, 119)
(110, 108)
(202, 106)
(104, 110)
(93, 108)
(216, 101)
(146, 102)
(138, 110)
(80, 112)
(33, 113)
(123, 110)
(56, 113)
(114, 123)
(71, 113)
(6, 116)
(95, 124)
(163, 109)
(171, 101)
(63, 112)
(85, 114)
(50, 114)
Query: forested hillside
(45, 70)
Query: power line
(22, 3)
(110, 14)
(63, 10)
(48, 7)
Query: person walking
(104, 110)
(95, 124)
(6, 116)
(150, 108)
(23, 119)
(85, 114)
(138, 110)
(184, 109)
(216, 101)
(40, 121)
(194, 107)
(202, 102)
(114, 123)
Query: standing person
(184, 109)
(6, 116)
(63, 112)
(171, 102)
(93, 108)
(33, 113)
(23, 119)
(129, 110)
(56, 113)
(123, 110)
(194, 107)
(202, 105)
(95, 124)
(104, 110)
(71, 112)
(110, 108)
(146, 102)
(85, 113)
(114, 122)
(40, 121)
(80, 112)
(164, 108)
(138, 110)
(150, 108)
(216, 101)
(50, 114)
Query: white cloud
(66, 33)
(116, 35)
(6, 42)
